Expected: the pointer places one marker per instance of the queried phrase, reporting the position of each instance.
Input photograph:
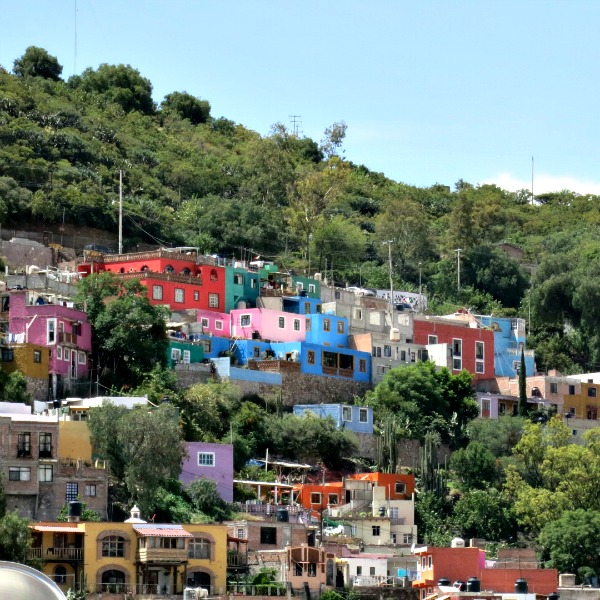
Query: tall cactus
(387, 454)
(433, 479)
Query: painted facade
(210, 461)
(456, 344)
(327, 330)
(47, 321)
(353, 418)
(258, 323)
(184, 351)
(138, 557)
(214, 323)
(242, 288)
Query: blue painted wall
(301, 305)
(335, 337)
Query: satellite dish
(20, 581)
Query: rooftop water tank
(394, 334)
(521, 586)
(457, 543)
(473, 585)
(282, 515)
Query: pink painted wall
(266, 322)
(31, 320)
(212, 317)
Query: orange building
(460, 563)
(398, 486)
(319, 496)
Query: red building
(458, 343)
(178, 278)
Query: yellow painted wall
(217, 565)
(74, 440)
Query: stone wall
(300, 388)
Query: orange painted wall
(539, 581)
(388, 480)
(452, 563)
(329, 488)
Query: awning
(58, 528)
(157, 531)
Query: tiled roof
(162, 531)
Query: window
(457, 364)
(346, 413)
(213, 300)
(207, 345)
(340, 327)
(479, 350)
(358, 314)
(571, 390)
(456, 347)
(37, 356)
(268, 535)
(403, 355)
(554, 388)
(407, 538)
(45, 449)
(363, 415)
(400, 487)
(376, 530)
(238, 279)
(253, 283)
(591, 392)
(256, 352)
(296, 324)
(307, 325)
(413, 357)
(359, 570)
(245, 320)
(281, 322)
(179, 295)
(204, 323)
(311, 357)
(72, 492)
(45, 473)
(306, 308)
(332, 499)
(241, 533)
(199, 548)
(362, 365)
(219, 325)
(387, 351)
(19, 473)
(60, 575)
(51, 331)
(312, 569)
(206, 459)
(24, 444)
(90, 490)
(326, 325)
(157, 292)
(432, 339)
(113, 545)
(7, 355)
(312, 288)
(299, 285)
(501, 408)
(59, 352)
(67, 354)
(479, 367)
(376, 351)
(372, 571)
(429, 561)
(315, 498)
(81, 358)
(175, 354)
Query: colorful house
(242, 287)
(47, 320)
(184, 351)
(32, 361)
(327, 330)
(210, 461)
(457, 344)
(134, 556)
(265, 324)
(353, 418)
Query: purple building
(210, 461)
(46, 320)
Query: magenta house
(46, 320)
(267, 324)
(214, 323)
(210, 461)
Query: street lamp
(310, 237)
(458, 251)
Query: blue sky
(431, 91)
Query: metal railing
(247, 589)
(56, 553)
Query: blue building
(509, 339)
(301, 305)
(327, 330)
(358, 419)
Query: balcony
(349, 373)
(58, 554)
(67, 338)
(274, 366)
(237, 559)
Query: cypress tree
(523, 387)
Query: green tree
(523, 407)
(187, 107)
(15, 538)
(570, 544)
(207, 501)
(37, 62)
(146, 445)
(474, 467)
(433, 519)
(498, 436)
(13, 388)
(87, 514)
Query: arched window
(213, 275)
(169, 269)
(113, 545)
(199, 548)
(113, 581)
(186, 271)
(122, 270)
(60, 575)
(144, 268)
(199, 579)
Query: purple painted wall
(62, 328)
(221, 470)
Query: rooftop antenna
(295, 124)
(532, 180)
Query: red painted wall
(388, 480)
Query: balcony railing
(274, 366)
(56, 553)
(67, 338)
(237, 559)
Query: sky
(431, 91)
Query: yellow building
(133, 556)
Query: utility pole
(389, 243)
(458, 251)
(121, 211)
(295, 124)
(420, 297)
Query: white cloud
(543, 183)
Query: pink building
(266, 324)
(214, 323)
(45, 320)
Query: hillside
(192, 179)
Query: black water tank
(282, 514)
(75, 509)
(443, 581)
(521, 586)
(553, 596)
(460, 585)
(473, 585)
